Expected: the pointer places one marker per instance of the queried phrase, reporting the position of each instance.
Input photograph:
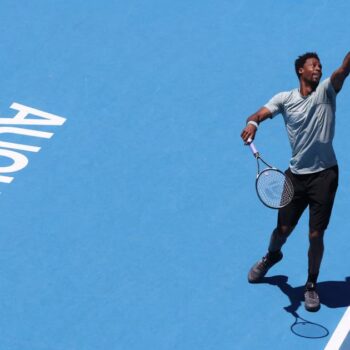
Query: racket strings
(274, 188)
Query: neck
(306, 88)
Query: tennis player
(309, 116)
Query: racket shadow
(333, 294)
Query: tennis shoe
(312, 300)
(259, 269)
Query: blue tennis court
(129, 214)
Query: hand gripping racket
(274, 188)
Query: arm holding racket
(273, 187)
(252, 123)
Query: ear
(300, 70)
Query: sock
(274, 256)
(312, 278)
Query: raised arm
(338, 77)
(250, 130)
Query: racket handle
(253, 148)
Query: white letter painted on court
(23, 112)
(19, 162)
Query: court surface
(131, 219)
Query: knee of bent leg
(285, 230)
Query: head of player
(308, 68)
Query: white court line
(340, 332)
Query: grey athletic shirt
(310, 123)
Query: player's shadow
(333, 294)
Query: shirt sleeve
(331, 93)
(275, 105)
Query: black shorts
(315, 190)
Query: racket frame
(269, 168)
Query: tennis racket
(274, 188)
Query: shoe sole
(312, 309)
(256, 281)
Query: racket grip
(252, 147)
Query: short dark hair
(299, 62)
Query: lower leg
(312, 300)
(274, 255)
(278, 238)
(315, 254)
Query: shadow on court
(333, 294)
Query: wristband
(253, 123)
